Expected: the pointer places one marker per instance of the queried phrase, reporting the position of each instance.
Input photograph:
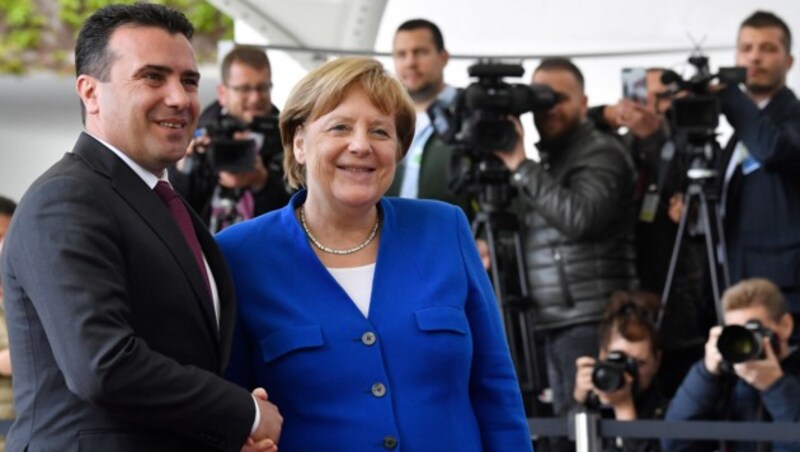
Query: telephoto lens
(739, 343)
(609, 375)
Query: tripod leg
(676, 249)
(711, 254)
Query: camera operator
(766, 387)
(223, 197)
(661, 180)
(760, 201)
(419, 60)
(576, 205)
(622, 382)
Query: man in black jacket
(224, 195)
(760, 202)
(577, 205)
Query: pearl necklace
(328, 250)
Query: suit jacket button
(378, 390)
(389, 442)
(368, 338)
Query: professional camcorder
(236, 155)
(698, 110)
(738, 343)
(609, 375)
(478, 118)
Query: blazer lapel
(142, 199)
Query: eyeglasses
(244, 90)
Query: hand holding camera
(614, 380)
(752, 350)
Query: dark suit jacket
(762, 212)
(112, 332)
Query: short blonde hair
(749, 293)
(324, 88)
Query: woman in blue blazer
(370, 321)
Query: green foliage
(23, 27)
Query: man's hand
(761, 373)
(270, 424)
(512, 159)
(637, 118)
(713, 358)
(676, 206)
(584, 366)
(198, 145)
(484, 253)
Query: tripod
(510, 281)
(702, 189)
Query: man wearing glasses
(233, 168)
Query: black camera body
(739, 343)
(478, 118)
(227, 153)
(609, 374)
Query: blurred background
(39, 110)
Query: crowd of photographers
(600, 213)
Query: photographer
(760, 201)
(227, 195)
(621, 383)
(577, 208)
(765, 388)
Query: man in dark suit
(760, 201)
(119, 323)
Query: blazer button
(389, 442)
(368, 338)
(378, 390)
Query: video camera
(478, 118)
(609, 375)
(698, 111)
(236, 155)
(739, 343)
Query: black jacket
(579, 231)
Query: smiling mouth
(172, 125)
(354, 169)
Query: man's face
(762, 52)
(782, 328)
(641, 352)
(568, 113)
(655, 103)
(148, 107)
(418, 64)
(247, 92)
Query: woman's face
(350, 153)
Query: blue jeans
(563, 346)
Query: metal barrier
(588, 430)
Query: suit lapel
(142, 200)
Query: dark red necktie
(181, 216)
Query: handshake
(268, 431)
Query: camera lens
(608, 376)
(737, 344)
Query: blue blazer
(429, 369)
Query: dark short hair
(417, 24)
(633, 316)
(250, 56)
(762, 19)
(561, 64)
(7, 206)
(91, 50)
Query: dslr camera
(609, 374)
(478, 118)
(237, 155)
(739, 343)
